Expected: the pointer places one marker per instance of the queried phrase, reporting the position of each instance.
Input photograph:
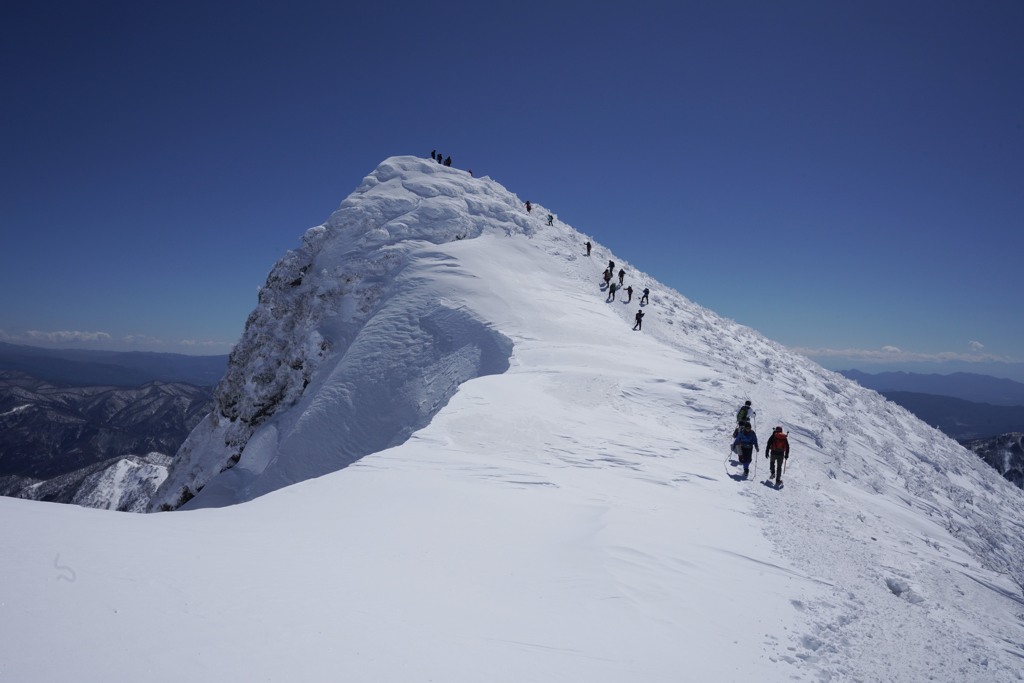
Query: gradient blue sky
(839, 176)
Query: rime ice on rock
(344, 327)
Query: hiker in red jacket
(777, 449)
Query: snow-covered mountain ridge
(350, 313)
(528, 490)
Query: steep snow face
(353, 345)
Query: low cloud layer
(108, 342)
(893, 354)
(66, 337)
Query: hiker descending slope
(747, 441)
(777, 449)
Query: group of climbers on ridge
(607, 276)
(614, 287)
(745, 442)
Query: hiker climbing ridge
(747, 442)
(777, 449)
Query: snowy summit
(442, 452)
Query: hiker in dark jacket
(777, 449)
(448, 161)
(629, 294)
(639, 325)
(588, 245)
(643, 299)
(622, 275)
(611, 291)
(747, 441)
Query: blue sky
(843, 177)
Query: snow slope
(553, 499)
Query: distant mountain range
(963, 405)
(97, 428)
(124, 483)
(76, 367)
(963, 385)
(960, 419)
(47, 430)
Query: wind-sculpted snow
(347, 315)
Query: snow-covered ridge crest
(361, 336)
(326, 312)
(575, 517)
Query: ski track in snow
(561, 514)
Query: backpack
(779, 442)
(742, 415)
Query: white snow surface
(530, 491)
(125, 485)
